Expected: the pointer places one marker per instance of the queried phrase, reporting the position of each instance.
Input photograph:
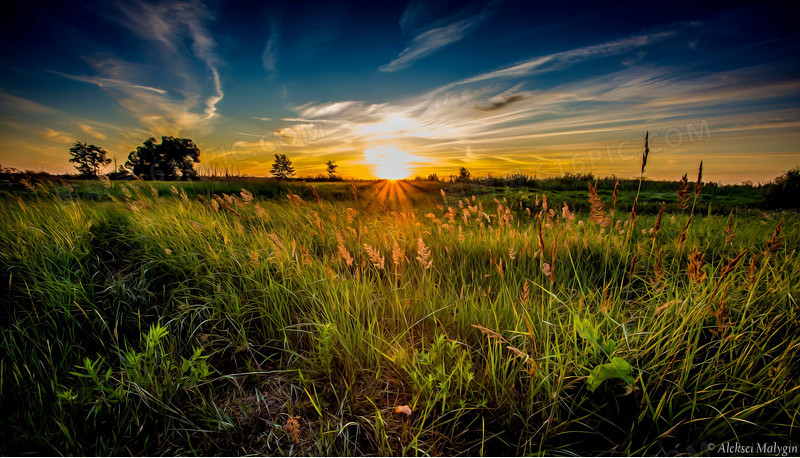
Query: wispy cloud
(440, 32)
(430, 42)
(56, 136)
(105, 82)
(14, 103)
(86, 128)
(485, 122)
(563, 59)
(185, 100)
(269, 57)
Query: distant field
(721, 198)
(417, 318)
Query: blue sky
(500, 87)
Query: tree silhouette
(282, 167)
(89, 158)
(463, 174)
(172, 159)
(331, 168)
(784, 192)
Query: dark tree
(784, 192)
(89, 158)
(463, 174)
(331, 168)
(282, 167)
(172, 159)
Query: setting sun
(389, 162)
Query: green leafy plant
(443, 374)
(602, 348)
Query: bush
(785, 191)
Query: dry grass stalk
(526, 294)
(633, 266)
(376, 257)
(598, 209)
(658, 272)
(721, 314)
(541, 238)
(343, 253)
(616, 192)
(424, 254)
(279, 247)
(245, 195)
(355, 191)
(489, 333)
(398, 253)
(646, 150)
(519, 353)
(316, 196)
(294, 199)
(728, 232)
(776, 241)
(632, 219)
(726, 271)
(682, 235)
(729, 267)
(548, 272)
(605, 304)
(553, 251)
(699, 185)
(669, 304)
(292, 427)
(657, 225)
(752, 269)
(498, 266)
(261, 213)
(683, 193)
(226, 204)
(351, 214)
(307, 258)
(566, 214)
(695, 269)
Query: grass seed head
(683, 193)
(376, 258)
(695, 269)
(597, 208)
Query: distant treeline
(782, 192)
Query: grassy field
(409, 318)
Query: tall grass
(152, 321)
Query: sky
(408, 88)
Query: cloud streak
(183, 41)
(22, 104)
(87, 129)
(269, 57)
(482, 122)
(563, 59)
(427, 43)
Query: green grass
(138, 320)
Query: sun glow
(389, 162)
